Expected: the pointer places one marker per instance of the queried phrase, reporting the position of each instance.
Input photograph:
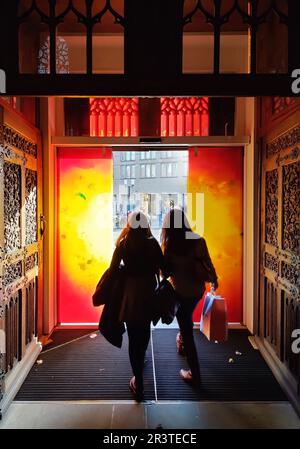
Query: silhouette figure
(189, 264)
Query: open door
(85, 234)
(85, 224)
(216, 175)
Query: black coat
(128, 299)
(109, 325)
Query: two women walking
(182, 258)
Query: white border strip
(66, 343)
(153, 366)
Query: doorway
(98, 187)
(150, 181)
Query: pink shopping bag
(214, 323)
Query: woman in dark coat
(187, 259)
(143, 259)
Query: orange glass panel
(216, 175)
(85, 238)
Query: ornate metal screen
(18, 245)
(279, 287)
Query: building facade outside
(150, 181)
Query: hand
(215, 284)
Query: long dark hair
(174, 233)
(136, 231)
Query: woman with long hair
(188, 261)
(142, 258)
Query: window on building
(143, 155)
(128, 171)
(130, 155)
(169, 169)
(174, 169)
(148, 171)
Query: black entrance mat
(91, 369)
(246, 378)
(62, 336)
(86, 369)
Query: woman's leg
(185, 320)
(139, 336)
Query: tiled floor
(151, 415)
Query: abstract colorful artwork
(217, 175)
(85, 234)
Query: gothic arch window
(62, 56)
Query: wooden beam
(122, 85)
(153, 37)
(125, 142)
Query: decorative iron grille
(253, 13)
(153, 55)
(89, 14)
(216, 13)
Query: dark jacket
(134, 299)
(187, 268)
(109, 326)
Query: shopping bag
(213, 322)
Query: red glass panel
(184, 116)
(114, 117)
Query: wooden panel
(20, 199)
(279, 305)
(13, 328)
